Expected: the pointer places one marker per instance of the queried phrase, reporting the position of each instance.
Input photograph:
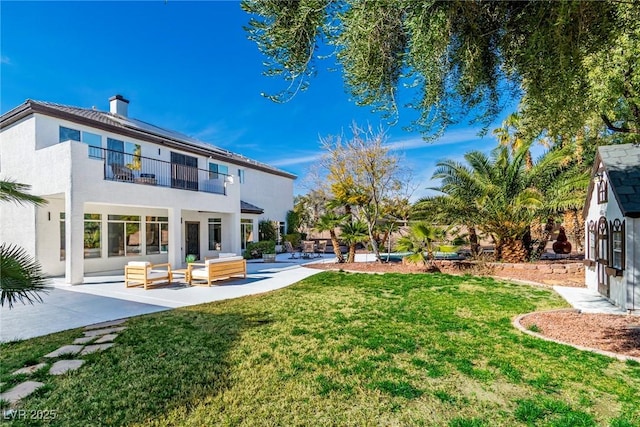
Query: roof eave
(29, 107)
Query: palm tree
(329, 222)
(422, 241)
(21, 276)
(352, 233)
(498, 194)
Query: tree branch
(615, 128)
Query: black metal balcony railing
(136, 169)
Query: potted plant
(269, 251)
(190, 258)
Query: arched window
(602, 191)
(617, 244)
(603, 241)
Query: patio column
(176, 259)
(74, 240)
(234, 219)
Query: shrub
(256, 249)
(267, 230)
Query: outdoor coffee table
(184, 272)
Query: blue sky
(189, 67)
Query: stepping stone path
(93, 348)
(21, 390)
(29, 369)
(64, 366)
(99, 337)
(67, 349)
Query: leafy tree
(267, 230)
(293, 221)
(571, 59)
(309, 207)
(363, 176)
(21, 276)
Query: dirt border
(518, 325)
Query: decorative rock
(67, 349)
(63, 366)
(105, 324)
(97, 332)
(83, 340)
(21, 390)
(106, 338)
(93, 348)
(29, 369)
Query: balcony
(136, 169)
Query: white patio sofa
(214, 269)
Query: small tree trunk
(352, 253)
(336, 246)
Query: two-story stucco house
(612, 225)
(120, 190)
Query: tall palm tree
(21, 276)
(498, 194)
(352, 233)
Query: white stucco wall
(272, 193)
(73, 183)
(17, 222)
(621, 289)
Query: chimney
(118, 105)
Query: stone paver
(29, 369)
(105, 324)
(94, 348)
(83, 340)
(21, 390)
(63, 366)
(106, 338)
(67, 349)
(96, 332)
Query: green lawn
(342, 349)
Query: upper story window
(241, 176)
(124, 154)
(68, 134)
(602, 190)
(215, 170)
(93, 140)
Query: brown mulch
(608, 332)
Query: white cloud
(290, 161)
(5, 60)
(451, 137)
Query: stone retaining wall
(568, 273)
